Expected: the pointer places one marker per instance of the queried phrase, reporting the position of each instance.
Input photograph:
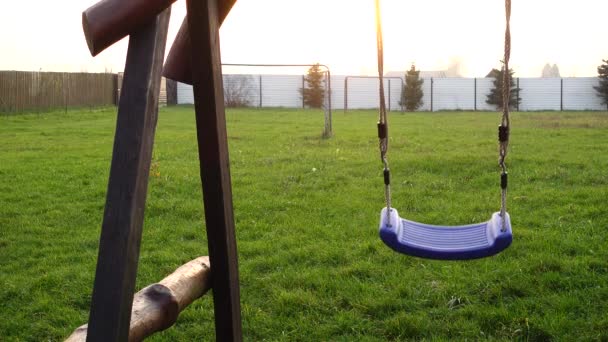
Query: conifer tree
(602, 88)
(411, 95)
(495, 96)
(313, 92)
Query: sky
(433, 34)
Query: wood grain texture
(108, 21)
(178, 66)
(125, 202)
(203, 25)
(156, 307)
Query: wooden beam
(204, 24)
(124, 211)
(178, 66)
(108, 21)
(156, 307)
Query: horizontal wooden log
(108, 21)
(156, 307)
(178, 66)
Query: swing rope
(383, 117)
(504, 128)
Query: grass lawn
(312, 267)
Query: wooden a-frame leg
(204, 24)
(124, 211)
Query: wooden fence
(32, 91)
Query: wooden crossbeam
(178, 66)
(124, 211)
(108, 21)
(203, 25)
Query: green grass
(312, 267)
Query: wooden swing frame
(146, 22)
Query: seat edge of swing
(497, 240)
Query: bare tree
(238, 90)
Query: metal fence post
(329, 98)
(260, 91)
(389, 95)
(401, 102)
(303, 86)
(345, 94)
(475, 94)
(331, 132)
(561, 94)
(517, 94)
(327, 131)
(431, 94)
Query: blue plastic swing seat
(445, 242)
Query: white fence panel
(185, 93)
(281, 91)
(539, 94)
(453, 94)
(447, 93)
(484, 88)
(243, 86)
(580, 95)
(393, 88)
(362, 93)
(426, 95)
(337, 92)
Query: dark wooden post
(124, 211)
(203, 25)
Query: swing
(446, 242)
